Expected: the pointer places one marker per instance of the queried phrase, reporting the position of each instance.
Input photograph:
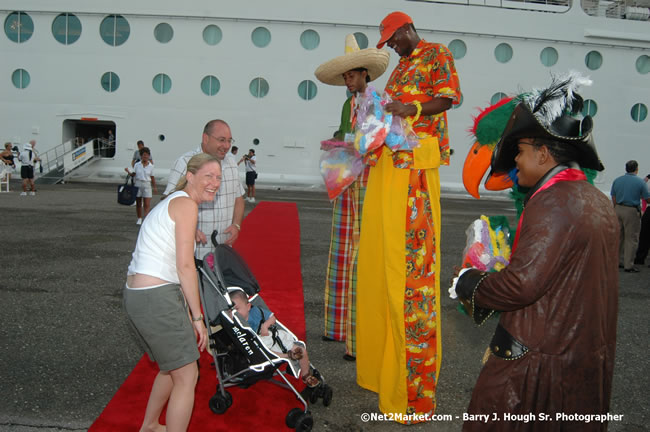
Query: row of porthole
(259, 87)
(548, 56)
(162, 83)
(115, 30)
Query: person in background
(7, 155)
(644, 234)
(146, 183)
(233, 156)
(226, 212)
(399, 343)
(161, 285)
(353, 70)
(8, 164)
(28, 158)
(251, 174)
(627, 192)
(136, 154)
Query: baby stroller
(240, 357)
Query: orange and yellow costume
(398, 281)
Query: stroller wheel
(315, 394)
(219, 403)
(327, 395)
(304, 423)
(292, 417)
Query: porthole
(20, 78)
(548, 56)
(458, 49)
(162, 83)
(161, 137)
(259, 87)
(110, 81)
(307, 90)
(19, 27)
(261, 37)
(362, 40)
(643, 64)
(114, 30)
(639, 112)
(503, 53)
(256, 142)
(589, 108)
(496, 97)
(66, 28)
(210, 85)
(593, 60)
(212, 34)
(163, 32)
(309, 39)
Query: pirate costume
(553, 349)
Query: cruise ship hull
(65, 98)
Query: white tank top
(155, 250)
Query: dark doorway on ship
(102, 133)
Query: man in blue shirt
(627, 191)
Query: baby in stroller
(274, 338)
(241, 331)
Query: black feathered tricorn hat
(549, 114)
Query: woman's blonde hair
(193, 165)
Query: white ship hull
(65, 84)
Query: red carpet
(270, 244)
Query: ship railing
(637, 10)
(60, 160)
(104, 148)
(556, 6)
(52, 160)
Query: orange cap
(390, 24)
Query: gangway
(61, 160)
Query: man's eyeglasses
(223, 139)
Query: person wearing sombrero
(353, 70)
(398, 279)
(552, 353)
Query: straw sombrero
(373, 59)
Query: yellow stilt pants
(382, 355)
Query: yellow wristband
(237, 225)
(418, 107)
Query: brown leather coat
(558, 297)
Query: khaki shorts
(144, 189)
(162, 325)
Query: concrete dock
(65, 346)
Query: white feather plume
(560, 97)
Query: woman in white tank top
(162, 261)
